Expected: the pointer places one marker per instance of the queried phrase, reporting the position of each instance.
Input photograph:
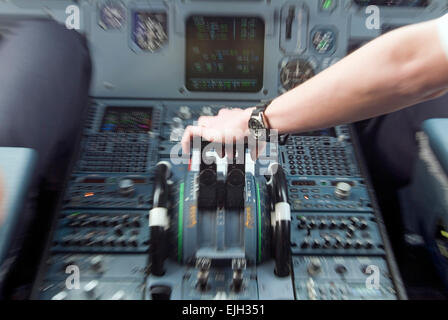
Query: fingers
(207, 133)
(256, 149)
(230, 151)
(225, 127)
(189, 133)
(205, 121)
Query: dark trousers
(390, 144)
(45, 73)
(391, 150)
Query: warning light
(327, 4)
(89, 194)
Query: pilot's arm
(399, 69)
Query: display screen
(224, 54)
(127, 120)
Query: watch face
(256, 128)
(255, 124)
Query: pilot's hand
(230, 126)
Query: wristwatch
(258, 125)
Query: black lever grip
(158, 219)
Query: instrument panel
(179, 60)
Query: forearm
(394, 71)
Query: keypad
(127, 153)
(318, 156)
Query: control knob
(314, 267)
(342, 190)
(184, 112)
(119, 295)
(206, 111)
(126, 187)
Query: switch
(60, 296)
(206, 111)
(238, 265)
(91, 288)
(133, 241)
(96, 263)
(314, 267)
(340, 268)
(305, 244)
(118, 230)
(203, 264)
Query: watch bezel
(257, 125)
